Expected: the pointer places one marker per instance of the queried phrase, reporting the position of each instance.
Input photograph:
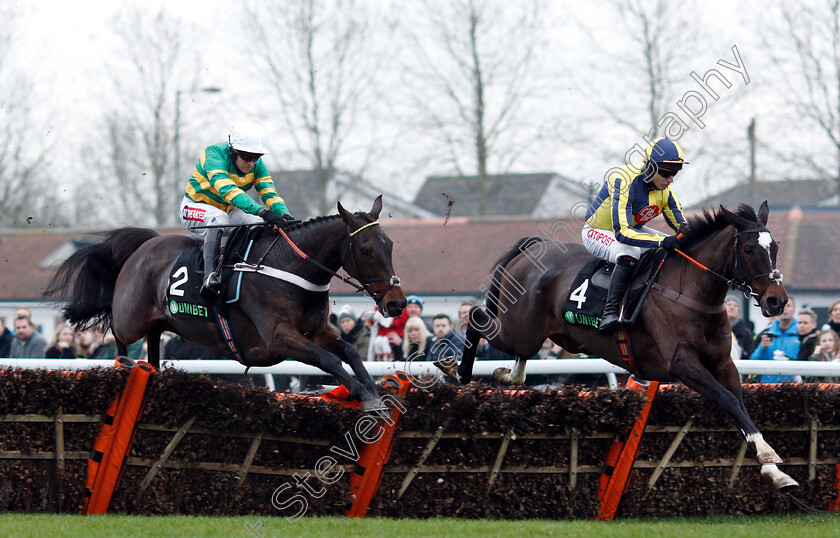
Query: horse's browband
(368, 225)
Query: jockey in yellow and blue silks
(615, 222)
(216, 194)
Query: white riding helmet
(248, 136)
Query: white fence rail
(482, 368)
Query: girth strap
(281, 275)
(227, 335)
(687, 301)
(625, 350)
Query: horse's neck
(715, 252)
(321, 242)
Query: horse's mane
(325, 218)
(709, 222)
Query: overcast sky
(66, 42)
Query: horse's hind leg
(478, 320)
(687, 368)
(153, 345)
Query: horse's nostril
(395, 308)
(774, 304)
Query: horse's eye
(365, 251)
(748, 250)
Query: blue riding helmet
(663, 152)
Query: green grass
(55, 526)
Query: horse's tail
(85, 281)
(501, 263)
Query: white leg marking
(764, 452)
(518, 376)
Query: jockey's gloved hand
(671, 242)
(685, 229)
(273, 218)
(290, 220)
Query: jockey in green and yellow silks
(615, 222)
(216, 194)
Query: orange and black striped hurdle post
(366, 478)
(622, 453)
(115, 436)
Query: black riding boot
(618, 286)
(210, 287)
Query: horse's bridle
(361, 286)
(742, 284)
(393, 281)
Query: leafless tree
(803, 41)
(322, 69)
(477, 84)
(654, 53)
(661, 42)
(24, 151)
(133, 154)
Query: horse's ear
(733, 219)
(763, 212)
(377, 207)
(345, 215)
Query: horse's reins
(394, 280)
(743, 284)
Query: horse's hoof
(781, 481)
(785, 484)
(374, 405)
(449, 369)
(499, 373)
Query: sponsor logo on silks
(581, 319)
(188, 309)
(647, 213)
(600, 236)
(193, 213)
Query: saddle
(588, 293)
(182, 293)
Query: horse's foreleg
(517, 377)
(728, 376)
(348, 354)
(686, 367)
(297, 347)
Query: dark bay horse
(122, 284)
(682, 332)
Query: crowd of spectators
(797, 337)
(793, 335)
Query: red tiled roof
(21, 277)
(455, 257)
(817, 253)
